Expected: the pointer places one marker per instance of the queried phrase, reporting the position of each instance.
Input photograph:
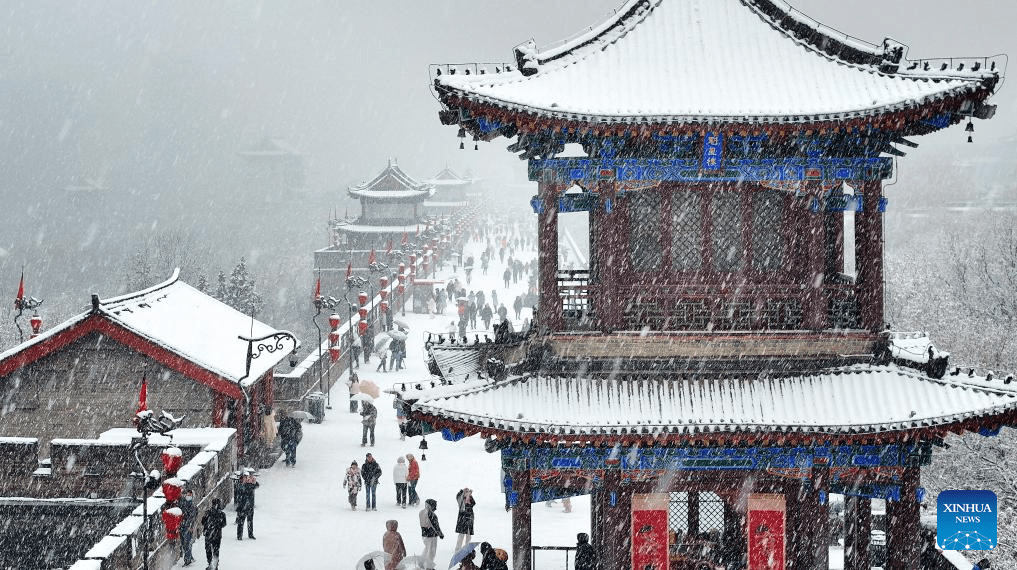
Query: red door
(766, 540)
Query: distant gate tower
(716, 372)
(391, 211)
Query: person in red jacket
(412, 476)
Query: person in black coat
(243, 495)
(585, 556)
(489, 559)
(371, 474)
(188, 522)
(464, 521)
(290, 434)
(212, 523)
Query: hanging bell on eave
(462, 135)
(970, 128)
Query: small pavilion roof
(838, 403)
(394, 184)
(668, 62)
(449, 177)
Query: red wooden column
(821, 522)
(616, 520)
(815, 308)
(857, 531)
(802, 506)
(522, 533)
(869, 257)
(550, 310)
(610, 253)
(903, 524)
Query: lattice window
(688, 315)
(644, 231)
(687, 231)
(782, 314)
(767, 242)
(727, 231)
(844, 313)
(735, 315)
(710, 516)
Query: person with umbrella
(370, 418)
(290, 434)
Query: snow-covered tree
(239, 291)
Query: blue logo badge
(966, 520)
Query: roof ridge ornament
(526, 58)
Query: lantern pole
(147, 425)
(328, 303)
(351, 282)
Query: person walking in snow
(188, 522)
(370, 418)
(355, 347)
(430, 530)
(502, 313)
(243, 495)
(352, 484)
(507, 277)
(371, 473)
(586, 558)
(212, 523)
(486, 314)
(517, 305)
(464, 522)
(290, 434)
(353, 383)
(412, 477)
(392, 544)
(399, 473)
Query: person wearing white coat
(399, 473)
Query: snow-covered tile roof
(196, 326)
(392, 183)
(856, 399)
(373, 229)
(182, 320)
(675, 61)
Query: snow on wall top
(713, 60)
(392, 183)
(856, 399)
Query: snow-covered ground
(302, 517)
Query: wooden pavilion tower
(716, 350)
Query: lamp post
(357, 282)
(376, 267)
(147, 424)
(328, 303)
(393, 256)
(269, 343)
(30, 303)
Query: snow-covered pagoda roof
(835, 404)
(392, 184)
(449, 177)
(172, 322)
(744, 62)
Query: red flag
(349, 270)
(372, 258)
(143, 397)
(389, 250)
(317, 288)
(21, 292)
(406, 239)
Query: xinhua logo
(966, 520)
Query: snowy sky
(343, 82)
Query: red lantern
(401, 289)
(334, 353)
(36, 322)
(425, 267)
(172, 458)
(384, 306)
(171, 518)
(333, 338)
(384, 294)
(362, 298)
(402, 269)
(401, 279)
(362, 327)
(363, 312)
(413, 260)
(383, 281)
(333, 321)
(172, 489)
(434, 259)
